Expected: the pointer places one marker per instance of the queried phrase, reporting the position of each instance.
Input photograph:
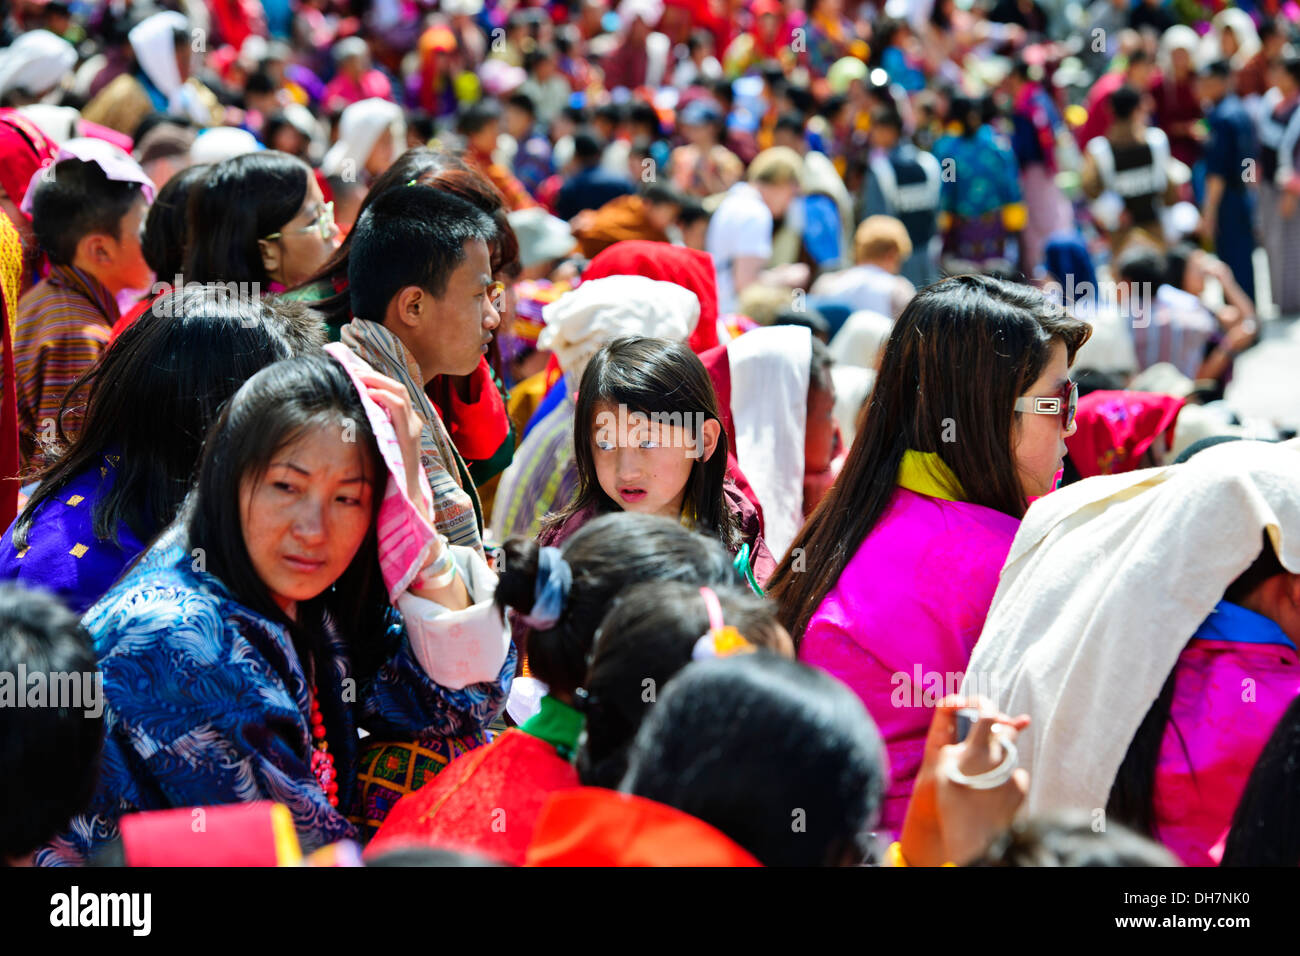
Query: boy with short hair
(88, 216)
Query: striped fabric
(1177, 331)
(63, 326)
(455, 502)
(543, 478)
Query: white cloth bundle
(1106, 582)
(770, 369)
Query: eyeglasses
(1065, 406)
(324, 223)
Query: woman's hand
(391, 396)
(947, 822)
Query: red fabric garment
(718, 365)
(689, 268)
(477, 427)
(594, 827)
(23, 150)
(128, 318)
(458, 809)
(238, 834)
(1115, 429)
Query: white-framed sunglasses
(324, 223)
(1063, 405)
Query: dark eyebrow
(303, 471)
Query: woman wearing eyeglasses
(887, 585)
(259, 218)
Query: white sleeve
(459, 648)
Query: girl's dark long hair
(152, 397)
(274, 408)
(959, 356)
(428, 167)
(1132, 794)
(652, 376)
(606, 556)
(166, 225)
(240, 201)
(650, 634)
(1266, 827)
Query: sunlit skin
(449, 334)
(304, 520)
(118, 262)
(300, 249)
(644, 466)
(1038, 441)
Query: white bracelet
(989, 779)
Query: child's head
(57, 744)
(83, 218)
(780, 757)
(649, 634)
(648, 435)
(1071, 839)
(588, 572)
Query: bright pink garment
(343, 91)
(899, 625)
(1228, 697)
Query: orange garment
(619, 219)
(594, 827)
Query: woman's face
(644, 465)
(301, 249)
(305, 519)
(1038, 441)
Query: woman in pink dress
(888, 583)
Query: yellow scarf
(927, 474)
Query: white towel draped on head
(581, 322)
(1106, 582)
(153, 41)
(360, 127)
(770, 370)
(36, 62)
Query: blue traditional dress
(63, 555)
(207, 703)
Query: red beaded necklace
(322, 761)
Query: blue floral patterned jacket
(207, 703)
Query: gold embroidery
(78, 550)
(76, 500)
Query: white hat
(222, 142)
(542, 237)
(581, 322)
(36, 62)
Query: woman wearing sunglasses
(887, 585)
(259, 218)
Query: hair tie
(722, 640)
(551, 593)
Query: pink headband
(405, 537)
(116, 165)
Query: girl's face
(644, 465)
(304, 242)
(304, 521)
(1038, 441)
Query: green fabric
(558, 724)
(742, 565)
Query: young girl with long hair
(648, 438)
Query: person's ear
(272, 258)
(411, 303)
(709, 433)
(97, 250)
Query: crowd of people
(671, 432)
